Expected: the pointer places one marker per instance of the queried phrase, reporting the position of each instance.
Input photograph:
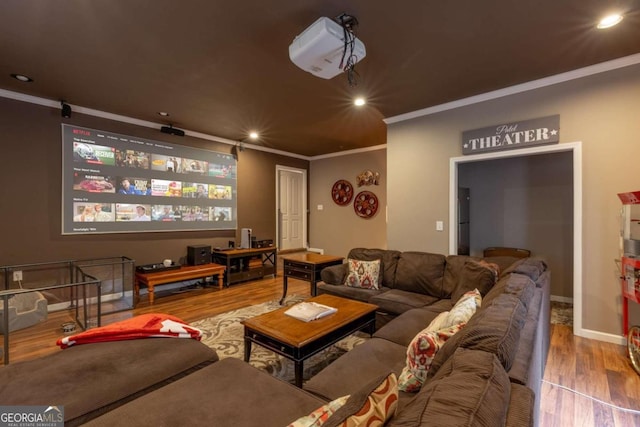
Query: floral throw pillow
(372, 406)
(320, 416)
(420, 355)
(363, 274)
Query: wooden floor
(590, 368)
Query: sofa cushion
(363, 274)
(524, 360)
(397, 302)
(420, 272)
(230, 392)
(91, 379)
(494, 329)
(341, 290)
(519, 285)
(334, 274)
(472, 388)
(453, 271)
(368, 360)
(420, 354)
(404, 327)
(388, 258)
(475, 275)
(373, 404)
(531, 267)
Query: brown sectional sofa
(487, 374)
(512, 326)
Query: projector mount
(348, 61)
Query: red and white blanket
(143, 326)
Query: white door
(291, 208)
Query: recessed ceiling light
(253, 135)
(22, 78)
(163, 113)
(359, 102)
(609, 21)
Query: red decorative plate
(342, 192)
(365, 204)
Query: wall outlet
(17, 275)
(439, 226)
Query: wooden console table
(246, 264)
(306, 266)
(187, 272)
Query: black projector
(171, 130)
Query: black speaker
(198, 255)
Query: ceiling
(222, 68)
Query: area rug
(561, 313)
(225, 334)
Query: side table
(306, 266)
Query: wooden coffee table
(306, 266)
(297, 340)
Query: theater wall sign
(508, 136)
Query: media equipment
(198, 255)
(171, 130)
(259, 244)
(155, 268)
(245, 238)
(320, 49)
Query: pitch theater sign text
(541, 131)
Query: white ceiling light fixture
(609, 21)
(163, 113)
(253, 135)
(359, 102)
(22, 78)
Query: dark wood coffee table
(297, 340)
(306, 266)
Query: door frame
(576, 149)
(303, 198)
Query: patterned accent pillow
(464, 308)
(439, 322)
(363, 274)
(320, 416)
(420, 354)
(372, 405)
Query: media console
(246, 264)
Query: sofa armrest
(335, 274)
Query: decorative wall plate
(342, 192)
(365, 204)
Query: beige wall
(30, 194)
(336, 229)
(600, 110)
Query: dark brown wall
(31, 192)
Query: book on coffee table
(308, 311)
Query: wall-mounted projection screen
(114, 183)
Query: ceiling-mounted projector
(320, 48)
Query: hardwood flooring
(591, 368)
